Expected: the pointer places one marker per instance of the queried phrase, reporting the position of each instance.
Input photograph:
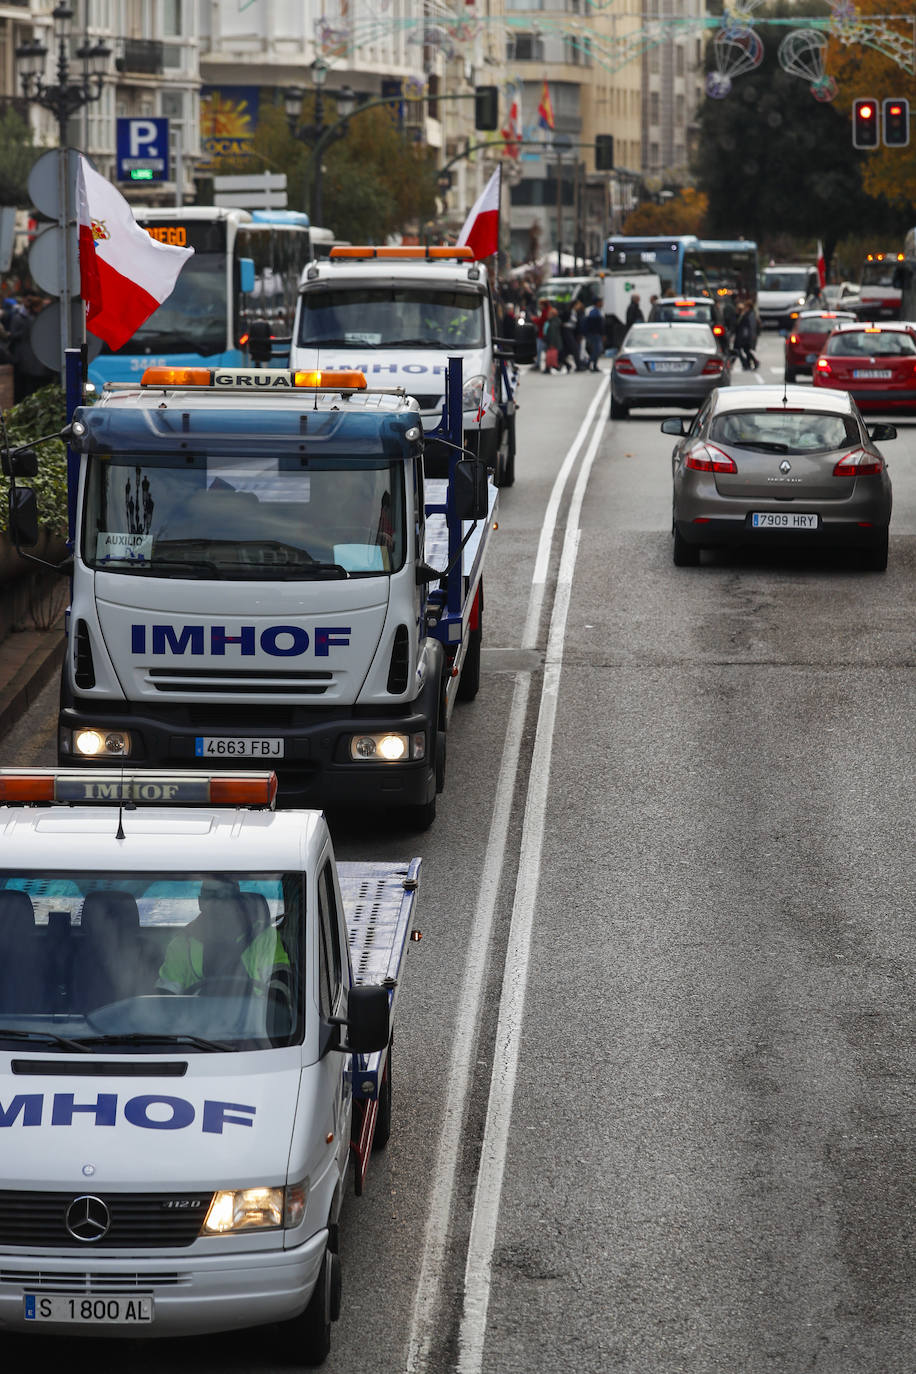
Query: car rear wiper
(141, 1038)
(60, 1040)
(764, 445)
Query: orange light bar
(410, 252)
(344, 381)
(26, 787)
(259, 789)
(176, 376)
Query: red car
(875, 363)
(808, 330)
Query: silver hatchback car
(769, 463)
(662, 364)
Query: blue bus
(246, 266)
(686, 265)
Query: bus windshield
(254, 518)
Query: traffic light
(865, 131)
(896, 123)
(604, 152)
(486, 107)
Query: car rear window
(792, 431)
(815, 326)
(646, 336)
(675, 313)
(882, 343)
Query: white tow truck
(195, 1031)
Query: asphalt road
(653, 1075)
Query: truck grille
(137, 1219)
(62, 1281)
(238, 680)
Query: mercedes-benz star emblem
(785, 465)
(88, 1218)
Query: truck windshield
(358, 316)
(207, 961)
(250, 518)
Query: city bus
(687, 265)
(246, 266)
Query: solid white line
(494, 1146)
(432, 1261)
(541, 562)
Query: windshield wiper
(141, 1038)
(189, 565)
(60, 1040)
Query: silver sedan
(662, 364)
(769, 463)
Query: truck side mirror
(469, 490)
(526, 343)
(260, 344)
(23, 463)
(23, 517)
(368, 1018)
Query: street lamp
(319, 134)
(64, 97)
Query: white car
(784, 288)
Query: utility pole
(559, 213)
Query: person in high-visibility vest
(220, 943)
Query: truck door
(330, 996)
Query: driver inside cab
(221, 942)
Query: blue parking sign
(143, 149)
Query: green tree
(17, 155)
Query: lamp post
(65, 96)
(319, 132)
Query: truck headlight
(255, 1209)
(387, 747)
(101, 743)
(473, 393)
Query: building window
(654, 114)
(679, 59)
(526, 47)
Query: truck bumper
(314, 769)
(191, 1296)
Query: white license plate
(777, 520)
(873, 374)
(226, 747)
(86, 1310)
(670, 367)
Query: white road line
(432, 1261)
(541, 562)
(494, 1146)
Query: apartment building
(673, 87)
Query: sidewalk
(28, 659)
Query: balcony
(141, 57)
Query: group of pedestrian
(570, 337)
(16, 315)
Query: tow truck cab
(194, 1037)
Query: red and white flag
(480, 230)
(821, 264)
(125, 274)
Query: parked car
(875, 363)
(780, 463)
(666, 364)
(807, 332)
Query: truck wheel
(383, 1120)
(441, 752)
(505, 466)
(306, 1340)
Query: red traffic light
(896, 123)
(865, 130)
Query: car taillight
(713, 365)
(707, 458)
(718, 330)
(793, 338)
(624, 365)
(823, 367)
(858, 463)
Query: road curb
(30, 677)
